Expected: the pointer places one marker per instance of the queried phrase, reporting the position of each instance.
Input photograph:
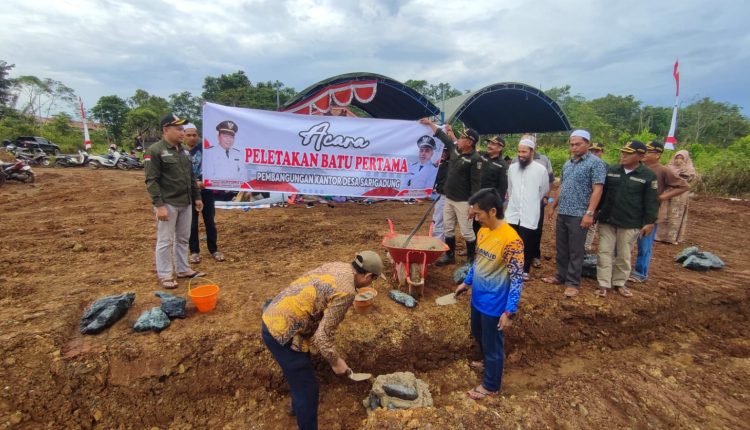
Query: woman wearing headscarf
(672, 229)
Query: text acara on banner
(265, 151)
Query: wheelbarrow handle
(408, 239)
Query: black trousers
(209, 211)
(570, 244)
(535, 243)
(527, 236)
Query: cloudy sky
(165, 46)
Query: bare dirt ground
(676, 355)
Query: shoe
(570, 292)
(195, 258)
(218, 256)
(445, 259)
(536, 263)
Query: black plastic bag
(105, 312)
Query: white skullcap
(188, 126)
(527, 142)
(581, 133)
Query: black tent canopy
(507, 107)
(389, 99)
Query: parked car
(30, 143)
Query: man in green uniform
(628, 211)
(173, 190)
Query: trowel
(358, 377)
(448, 299)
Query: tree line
(613, 119)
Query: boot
(449, 257)
(471, 249)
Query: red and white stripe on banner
(340, 94)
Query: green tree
(6, 84)
(620, 112)
(186, 106)
(111, 112)
(142, 123)
(236, 90)
(708, 121)
(142, 99)
(226, 89)
(435, 93)
(60, 123)
(38, 97)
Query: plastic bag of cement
(154, 319)
(588, 269)
(460, 273)
(403, 298)
(716, 262)
(105, 312)
(685, 253)
(703, 261)
(173, 306)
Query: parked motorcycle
(72, 160)
(18, 171)
(112, 160)
(131, 162)
(38, 158)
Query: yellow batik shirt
(312, 307)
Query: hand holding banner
(255, 150)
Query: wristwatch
(589, 213)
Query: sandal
(195, 258)
(168, 284)
(601, 292)
(476, 365)
(636, 279)
(476, 393)
(624, 291)
(192, 275)
(218, 256)
(551, 280)
(571, 292)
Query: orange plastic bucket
(363, 304)
(204, 297)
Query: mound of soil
(676, 355)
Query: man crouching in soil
(312, 307)
(497, 280)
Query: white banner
(257, 150)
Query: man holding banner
(464, 180)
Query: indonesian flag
(671, 141)
(86, 138)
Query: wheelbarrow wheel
(415, 273)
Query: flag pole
(86, 138)
(671, 140)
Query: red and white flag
(671, 141)
(86, 138)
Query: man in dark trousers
(192, 141)
(581, 185)
(464, 180)
(628, 212)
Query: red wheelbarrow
(410, 262)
